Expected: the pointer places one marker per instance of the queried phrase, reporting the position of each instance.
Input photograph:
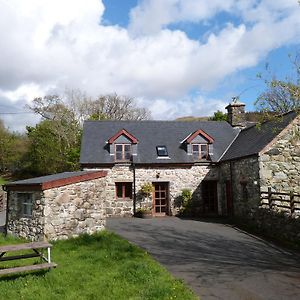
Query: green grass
(2, 181)
(101, 266)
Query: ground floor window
(123, 190)
(25, 201)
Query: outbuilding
(56, 206)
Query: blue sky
(243, 83)
(176, 57)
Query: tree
(280, 95)
(54, 147)
(55, 141)
(12, 148)
(219, 116)
(105, 107)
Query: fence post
(270, 198)
(292, 202)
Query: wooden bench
(36, 247)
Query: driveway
(215, 260)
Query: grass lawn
(101, 266)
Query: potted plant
(145, 211)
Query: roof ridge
(153, 121)
(269, 120)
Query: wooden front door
(160, 199)
(210, 197)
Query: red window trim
(200, 132)
(123, 184)
(123, 151)
(123, 132)
(199, 150)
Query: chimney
(236, 113)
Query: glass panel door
(160, 200)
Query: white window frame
(200, 156)
(123, 151)
(26, 204)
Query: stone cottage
(56, 206)
(226, 165)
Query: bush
(186, 202)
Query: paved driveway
(217, 261)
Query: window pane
(127, 155)
(119, 148)
(119, 155)
(127, 148)
(26, 203)
(128, 190)
(162, 151)
(195, 148)
(119, 190)
(203, 151)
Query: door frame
(167, 185)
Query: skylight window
(162, 151)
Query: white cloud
(189, 106)
(152, 15)
(52, 45)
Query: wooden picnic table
(36, 247)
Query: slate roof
(95, 150)
(253, 139)
(56, 180)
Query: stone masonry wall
(2, 200)
(30, 228)
(74, 209)
(178, 179)
(59, 213)
(245, 184)
(280, 162)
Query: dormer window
(200, 151)
(122, 152)
(200, 145)
(122, 146)
(162, 151)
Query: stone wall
(59, 213)
(280, 162)
(245, 184)
(2, 200)
(74, 209)
(272, 224)
(29, 228)
(177, 177)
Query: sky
(175, 57)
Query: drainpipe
(231, 186)
(134, 191)
(7, 206)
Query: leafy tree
(219, 116)
(12, 148)
(280, 95)
(55, 141)
(54, 147)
